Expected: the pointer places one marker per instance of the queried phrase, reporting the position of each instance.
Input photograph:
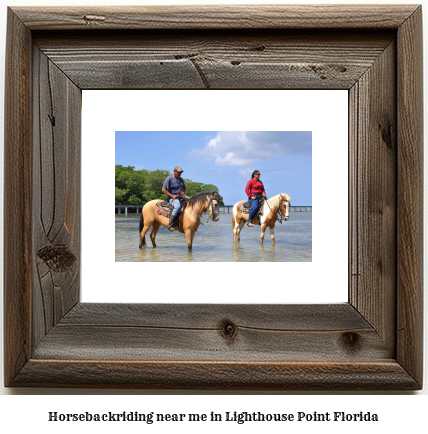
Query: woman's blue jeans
(254, 207)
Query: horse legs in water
(237, 230)
(237, 227)
(155, 228)
(189, 237)
(143, 230)
(262, 234)
(272, 235)
(145, 222)
(143, 237)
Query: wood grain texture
(199, 332)
(217, 17)
(216, 60)
(372, 342)
(210, 316)
(373, 161)
(410, 194)
(17, 214)
(385, 375)
(56, 198)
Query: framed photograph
(371, 341)
(217, 162)
(223, 159)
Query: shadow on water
(214, 242)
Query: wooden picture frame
(372, 342)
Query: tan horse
(279, 204)
(189, 221)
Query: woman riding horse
(255, 191)
(274, 209)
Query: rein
(208, 219)
(280, 219)
(200, 216)
(212, 211)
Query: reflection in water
(173, 253)
(214, 242)
(237, 252)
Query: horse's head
(284, 205)
(213, 207)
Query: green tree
(129, 184)
(134, 200)
(193, 188)
(120, 196)
(137, 187)
(153, 184)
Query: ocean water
(213, 242)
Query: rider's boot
(171, 222)
(249, 223)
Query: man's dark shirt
(174, 185)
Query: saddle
(165, 208)
(246, 207)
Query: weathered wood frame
(372, 342)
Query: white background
(325, 113)
(397, 411)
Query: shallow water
(213, 242)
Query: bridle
(200, 216)
(280, 211)
(282, 216)
(212, 209)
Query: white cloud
(246, 173)
(231, 159)
(212, 143)
(241, 148)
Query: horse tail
(141, 221)
(234, 214)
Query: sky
(226, 159)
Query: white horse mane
(274, 201)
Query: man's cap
(178, 169)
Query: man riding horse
(174, 187)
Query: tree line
(137, 187)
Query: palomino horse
(189, 221)
(279, 204)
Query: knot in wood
(386, 134)
(258, 48)
(58, 259)
(351, 340)
(228, 330)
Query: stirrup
(250, 224)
